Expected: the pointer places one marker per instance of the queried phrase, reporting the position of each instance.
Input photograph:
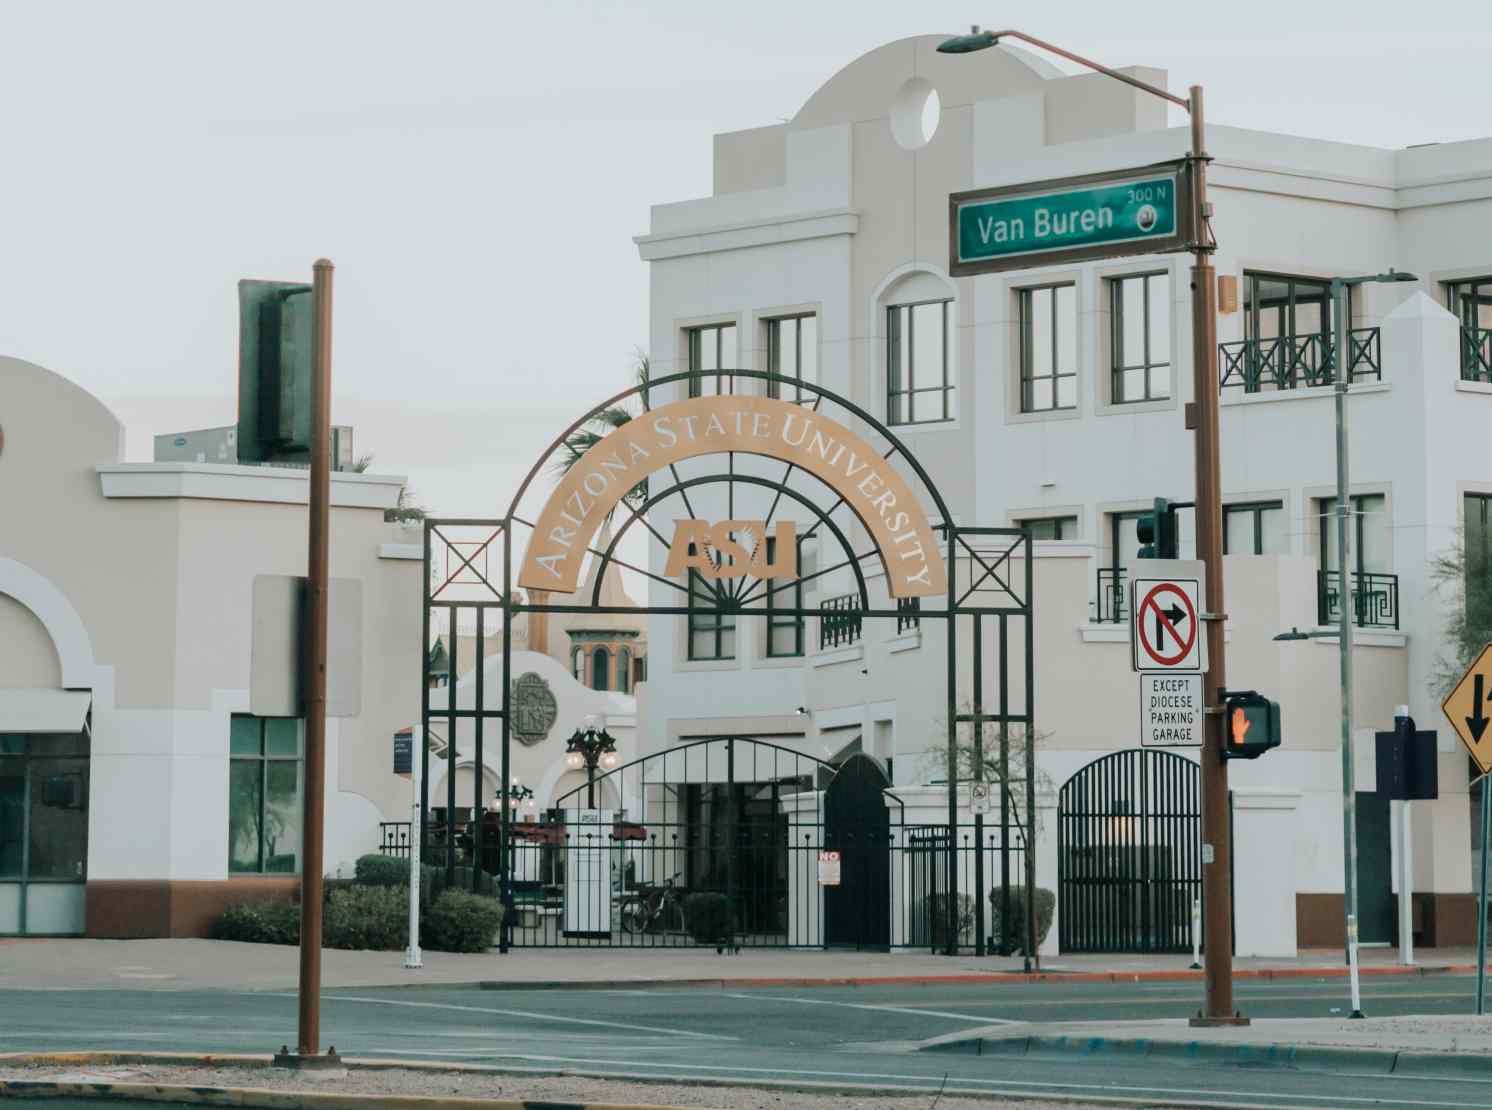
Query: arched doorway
(1129, 853)
(857, 825)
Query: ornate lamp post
(587, 747)
(514, 796)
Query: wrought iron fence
(1109, 603)
(1375, 599)
(839, 620)
(1298, 361)
(908, 614)
(633, 891)
(393, 839)
(1476, 354)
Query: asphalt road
(836, 1036)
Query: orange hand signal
(1241, 725)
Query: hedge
(367, 918)
(709, 918)
(459, 921)
(259, 923)
(1014, 940)
(380, 870)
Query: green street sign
(1144, 211)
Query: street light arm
(1082, 61)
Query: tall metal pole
(412, 957)
(309, 1039)
(1217, 864)
(1340, 291)
(1481, 909)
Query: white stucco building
(1055, 397)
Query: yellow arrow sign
(1466, 708)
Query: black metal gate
(1129, 853)
(857, 825)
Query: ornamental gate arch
(769, 501)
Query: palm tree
(407, 508)
(608, 420)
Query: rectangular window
(712, 353)
(1254, 528)
(1471, 302)
(1371, 538)
(1140, 342)
(1049, 345)
(1282, 306)
(1051, 527)
(712, 634)
(1478, 509)
(265, 781)
(793, 351)
(784, 630)
(919, 382)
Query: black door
(1375, 896)
(857, 825)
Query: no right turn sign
(1164, 626)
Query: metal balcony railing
(1297, 361)
(839, 621)
(1109, 605)
(1375, 599)
(908, 614)
(1476, 354)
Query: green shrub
(433, 881)
(368, 917)
(709, 917)
(1013, 940)
(380, 870)
(259, 923)
(932, 920)
(459, 921)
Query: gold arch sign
(870, 486)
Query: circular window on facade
(915, 111)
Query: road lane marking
(979, 1020)
(620, 1025)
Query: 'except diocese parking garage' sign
(1072, 219)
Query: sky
(477, 172)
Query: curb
(263, 1097)
(266, 1099)
(1386, 1061)
(971, 977)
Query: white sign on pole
(1164, 624)
(588, 876)
(829, 868)
(1171, 711)
(979, 798)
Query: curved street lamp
(1216, 836)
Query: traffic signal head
(1157, 532)
(1251, 726)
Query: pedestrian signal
(1251, 725)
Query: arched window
(600, 669)
(624, 670)
(577, 665)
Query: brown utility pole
(314, 668)
(1217, 847)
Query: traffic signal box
(1407, 766)
(1251, 725)
(274, 371)
(1157, 532)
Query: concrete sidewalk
(206, 964)
(1456, 1045)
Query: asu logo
(739, 547)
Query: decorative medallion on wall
(534, 709)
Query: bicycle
(661, 906)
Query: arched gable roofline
(57, 615)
